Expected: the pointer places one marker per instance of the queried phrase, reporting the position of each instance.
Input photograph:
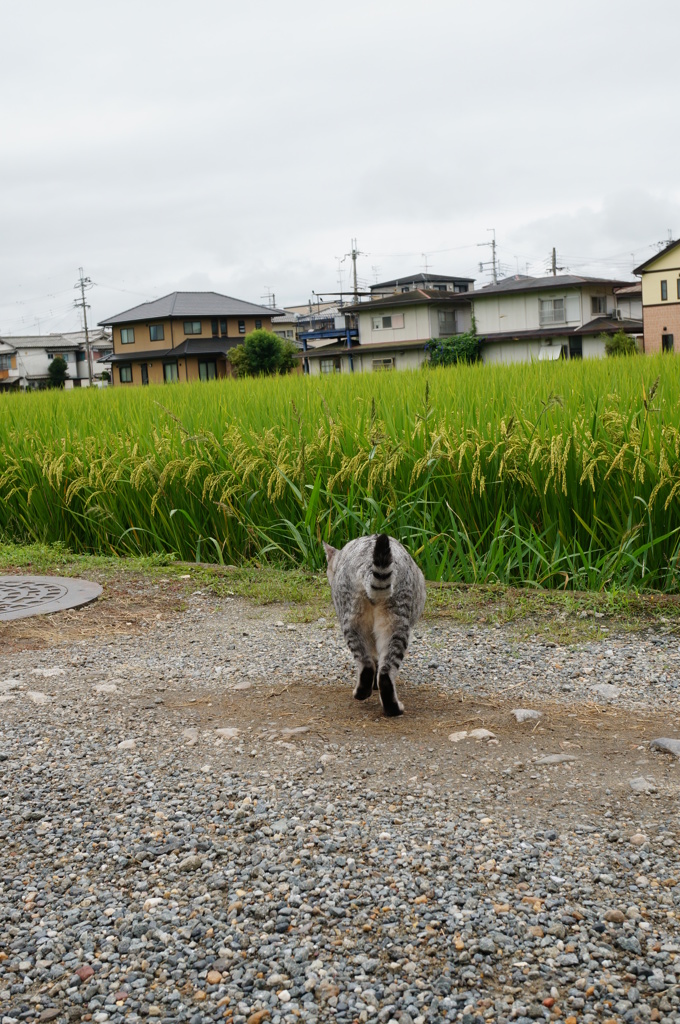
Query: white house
(29, 357)
(523, 318)
(394, 331)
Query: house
(285, 325)
(9, 378)
(28, 358)
(523, 318)
(660, 279)
(182, 336)
(430, 282)
(393, 331)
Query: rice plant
(560, 475)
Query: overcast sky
(237, 146)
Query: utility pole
(353, 254)
(493, 263)
(270, 297)
(82, 284)
(553, 263)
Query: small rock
(260, 1015)
(37, 697)
(106, 688)
(85, 972)
(638, 839)
(227, 734)
(606, 690)
(456, 737)
(555, 759)
(284, 995)
(615, 916)
(245, 685)
(526, 715)
(668, 745)
(482, 734)
(190, 737)
(127, 744)
(47, 673)
(641, 785)
(296, 731)
(214, 977)
(190, 863)
(50, 1013)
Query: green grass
(561, 476)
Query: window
(192, 326)
(80, 357)
(223, 328)
(241, 327)
(679, 287)
(156, 332)
(213, 328)
(329, 365)
(598, 305)
(127, 335)
(125, 373)
(258, 325)
(381, 323)
(145, 373)
(383, 364)
(664, 290)
(207, 369)
(460, 287)
(406, 289)
(170, 373)
(447, 323)
(551, 311)
(62, 355)
(5, 362)
(666, 342)
(439, 288)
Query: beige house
(183, 336)
(661, 299)
(393, 332)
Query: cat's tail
(380, 583)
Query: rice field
(560, 475)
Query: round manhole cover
(21, 596)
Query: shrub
(58, 371)
(262, 354)
(619, 344)
(460, 348)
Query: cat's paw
(364, 688)
(393, 710)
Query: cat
(379, 595)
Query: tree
(58, 371)
(262, 353)
(619, 344)
(460, 348)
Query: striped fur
(379, 595)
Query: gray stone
(641, 785)
(526, 715)
(670, 746)
(556, 759)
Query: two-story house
(183, 336)
(523, 318)
(25, 359)
(661, 299)
(394, 331)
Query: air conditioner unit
(617, 314)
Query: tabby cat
(379, 595)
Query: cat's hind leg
(392, 639)
(362, 647)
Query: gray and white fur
(379, 595)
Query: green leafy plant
(58, 371)
(619, 344)
(262, 354)
(460, 348)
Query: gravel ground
(199, 823)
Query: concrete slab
(21, 596)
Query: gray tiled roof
(522, 283)
(186, 304)
(52, 342)
(422, 279)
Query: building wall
(630, 306)
(593, 347)
(664, 268)
(407, 359)
(416, 326)
(174, 332)
(660, 320)
(519, 351)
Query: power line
(85, 283)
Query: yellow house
(661, 299)
(183, 336)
